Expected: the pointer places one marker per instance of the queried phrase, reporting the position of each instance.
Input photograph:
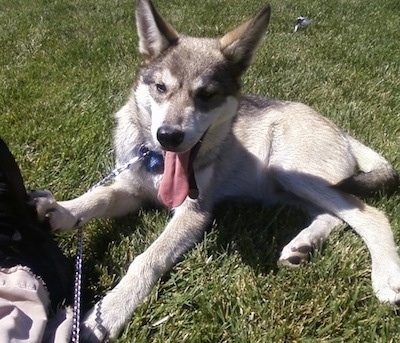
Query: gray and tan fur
(273, 151)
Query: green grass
(66, 66)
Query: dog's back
(291, 136)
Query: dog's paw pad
(294, 260)
(293, 257)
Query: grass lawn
(66, 67)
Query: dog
(200, 141)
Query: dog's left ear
(155, 33)
(239, 45)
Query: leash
(76, 313)
(153, 162)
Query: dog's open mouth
(178, 180)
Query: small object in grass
(301, 22)
(162, 320)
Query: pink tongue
(174, 186)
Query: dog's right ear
(239, 45)
(155, 34)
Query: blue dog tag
(154, 162)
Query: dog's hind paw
(387, 287)
(300, 248)
(48, 209)
(294, 256)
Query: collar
(152, 160)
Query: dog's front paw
(386, 285)
(92, 332)
(102, 323)
(49, 209)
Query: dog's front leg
(110, 314)
(106, 201)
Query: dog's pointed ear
(239, 45)
(155, 33)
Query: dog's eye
(161, 88)
(205, 95)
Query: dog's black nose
(170, 137)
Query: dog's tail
(376, 174)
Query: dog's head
(190, 85)
(188, 91)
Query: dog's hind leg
(110, 314)
(299, 249)
(368, 222)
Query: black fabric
(26, 241)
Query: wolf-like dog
(200, 141)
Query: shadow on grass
(98, 264)
(258, 233)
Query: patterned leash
(142, 154)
